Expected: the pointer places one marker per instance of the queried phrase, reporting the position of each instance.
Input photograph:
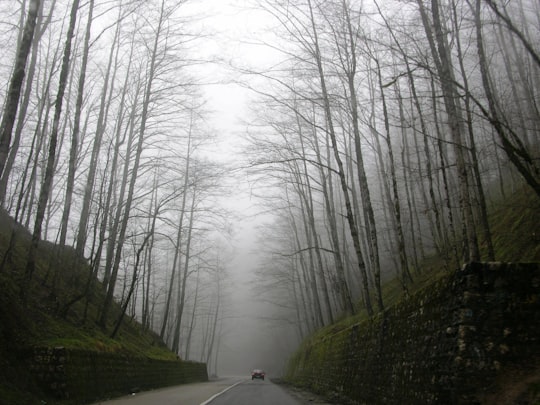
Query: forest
(388, 133)
(380, 135)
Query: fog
(250, 338)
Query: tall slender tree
(14, 91)
(51, 158)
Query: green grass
(516, 228)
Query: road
(256, 392)
(230, 390)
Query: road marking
(220, 393)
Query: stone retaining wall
(84, 376)
(444, 345)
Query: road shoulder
(303, 396)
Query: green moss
(514, 223)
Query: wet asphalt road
(229, 390)
(254, 392)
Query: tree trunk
(51, 158)
(311, 265)
(106, 95)
(482, 208)
(181, 292)
(179, 233)
(14, 92)
(511, 26)
(511, 143)
(305, 193)
(193, 316)
(396, 204)
(371, 227)
(344, 291)
(134, 277)
(313, 312)
(41, 26)
(441, 56)
(72, 167)
(452, 245)
(216, 317)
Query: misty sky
(248, 341)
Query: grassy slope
(40, 322)
(516, 228)
(516, 238)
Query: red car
(257, 374)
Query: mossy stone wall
(80, 376)
(444, 345)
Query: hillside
(55, 313)
(516, 239)
(47, 318)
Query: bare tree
(180, 228)
(441, 57)
(14, 92)
(49, 170)
(41, 26)
(347, 37)
(76, 129)
(182, 281)
(136, 163)
(337, 157)
(134, 278)
(512, 144)
(106, 95)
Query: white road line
(220, 393)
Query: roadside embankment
(451, 343)
(80, 376)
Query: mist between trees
(379, 137)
